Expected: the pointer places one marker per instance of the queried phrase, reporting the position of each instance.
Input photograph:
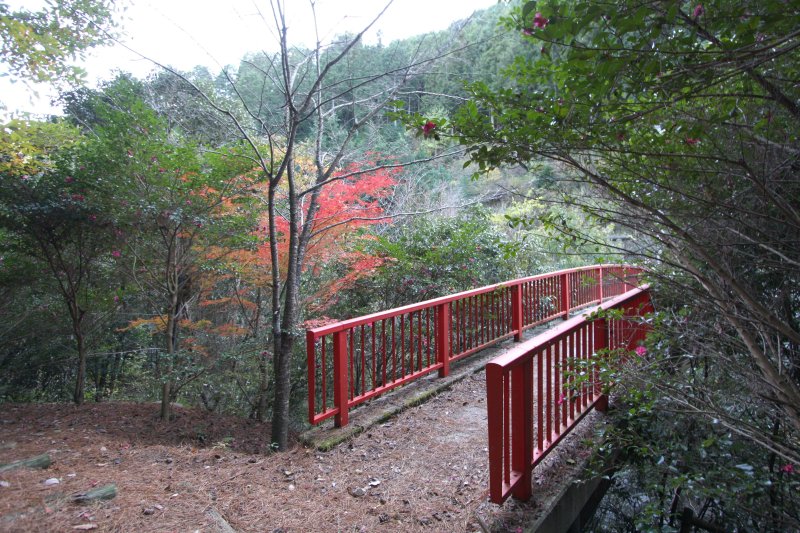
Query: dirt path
(425, 470)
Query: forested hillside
(170, 239)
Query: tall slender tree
(318, 107)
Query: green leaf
(527, 9)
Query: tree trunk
(170, 337)
(283, 386)
(80, 379)
(283, 324)
(166, 408)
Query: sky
(214, 33)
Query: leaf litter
(425, 470)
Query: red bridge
(536, 392)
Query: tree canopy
(41, 45)
(683, 120)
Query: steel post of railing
(311, 354)
(522, 432)
(494, 410)
(443, 325)
(600, 281)
(516, 312)
(340, 378)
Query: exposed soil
(425, 470)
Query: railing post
(516, 312)
(600, 281)
(522, 427)
(443, 339)
(311, 355)
(340, 378)
(565, 295)
(600, 343)
(494, 422)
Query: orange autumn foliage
(350, 200)
(353, 198)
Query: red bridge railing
(534, 398)
(352, 361)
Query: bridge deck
(431, 459)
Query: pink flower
(25, 177)
(699, 11)
(116, 298)
(428, 128)
(539, 21)
(78, 197)
(527, 31)
(116, 253)
(69, 179)
(92, 218)
(641, 351)
(562, 399)
(691, 141)
(788, 469)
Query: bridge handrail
(357, 321)
(356, 359)
(533, 397)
